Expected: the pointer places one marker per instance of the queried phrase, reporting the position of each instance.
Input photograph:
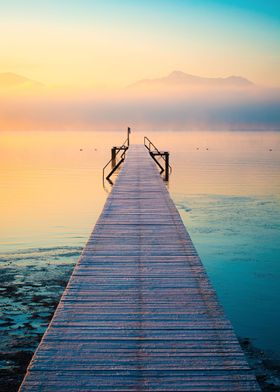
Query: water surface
(226, 186)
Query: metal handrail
(150, 143)
(124, 147)
(146, 139)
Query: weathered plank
(139, 313)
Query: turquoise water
(226, 186)
(237, 238)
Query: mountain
(181, 79)
(9, 80)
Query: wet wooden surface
(139, 313)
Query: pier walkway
(139, 313)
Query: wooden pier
(139, 313)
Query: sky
(112, 44)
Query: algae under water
(226, 186)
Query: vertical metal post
(113, 156)
(166, 154)
(128, 133)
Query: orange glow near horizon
(70, 65)
(56, 176)
(105, 46)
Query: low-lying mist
(162, 109)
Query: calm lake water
(226, 186)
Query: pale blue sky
(118, 42)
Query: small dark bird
(197, 148)
(270, 149)
(81, 149)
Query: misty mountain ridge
(179, 79)
(160, 107)
(9, 80)
(176, 80)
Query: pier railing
(154, 152)
(117, 158)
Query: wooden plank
(139, 312)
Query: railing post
(128, 133)
(166, 154)
(113, 156)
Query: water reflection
(225, 184)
